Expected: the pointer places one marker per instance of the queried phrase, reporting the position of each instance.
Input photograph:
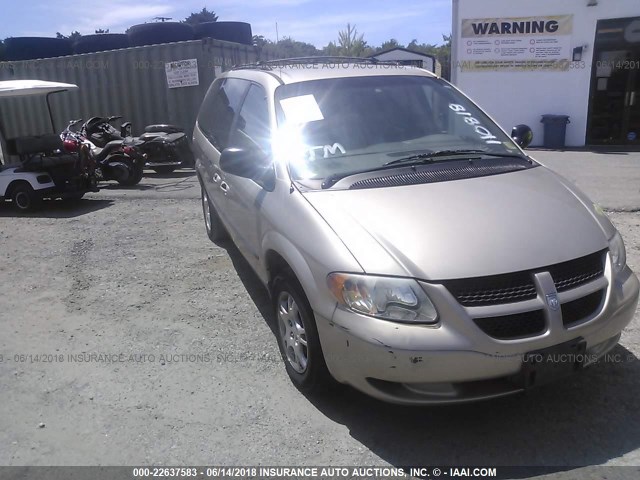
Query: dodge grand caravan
(411, 248)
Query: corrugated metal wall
(129, 82)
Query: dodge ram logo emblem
(552, 301)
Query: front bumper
(455, 361)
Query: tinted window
(219, 108)
(252, 125)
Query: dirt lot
(128, 338)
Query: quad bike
(43, 170)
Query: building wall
(513, 97)
(131, 82)
(399, 55)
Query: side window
(252, 125)
(219, 108)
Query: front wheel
(25, 199)
(298, 337)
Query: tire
(296, 325)
(135, 177)
(212, 223)
(25, 199)
(30, 48)
(164, 170)
(156, 33)
(237, 32)
(100, 42)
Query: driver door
(245, 196)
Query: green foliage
(73, 36)
(201, 17)
(349, 44)
(285, 48)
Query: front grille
(476, 292)
(508, 327)
(519, 286)
(578, 310)
(577, 272)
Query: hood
(465, 228)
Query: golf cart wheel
(298, 337)
(212, 223)
(25, 199)
(164, 170)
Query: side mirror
(247, 163)
(522, 135)
(125, 129)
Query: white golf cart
(44, 170)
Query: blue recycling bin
(555, 130)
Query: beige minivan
(412, 249)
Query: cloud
(373, 22)
(116, 15)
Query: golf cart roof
(22, 88)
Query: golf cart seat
(40, 152)
(34, 144)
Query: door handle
(224, 187)
(216, 177)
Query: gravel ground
(128, 338)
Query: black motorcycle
(118, 160)
(166, 146)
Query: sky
(313, 21)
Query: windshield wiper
(420, 158)
(431, 156)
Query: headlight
(618, 253)
(397, 299)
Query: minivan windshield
(341, 126)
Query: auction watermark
(310, 472)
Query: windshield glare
(348, 125)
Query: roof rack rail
(269, 64)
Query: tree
(201, 17)
(349, 44)
(390, 44)
(73, 36)
(287, 47)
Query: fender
(314, 286)
(10, 175)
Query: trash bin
(555, 130)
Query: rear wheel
(134, 175)
(164, 170)
(298, 337)
(25, 199)
(215, 230)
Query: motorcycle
(166, 146)
(118, 160)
